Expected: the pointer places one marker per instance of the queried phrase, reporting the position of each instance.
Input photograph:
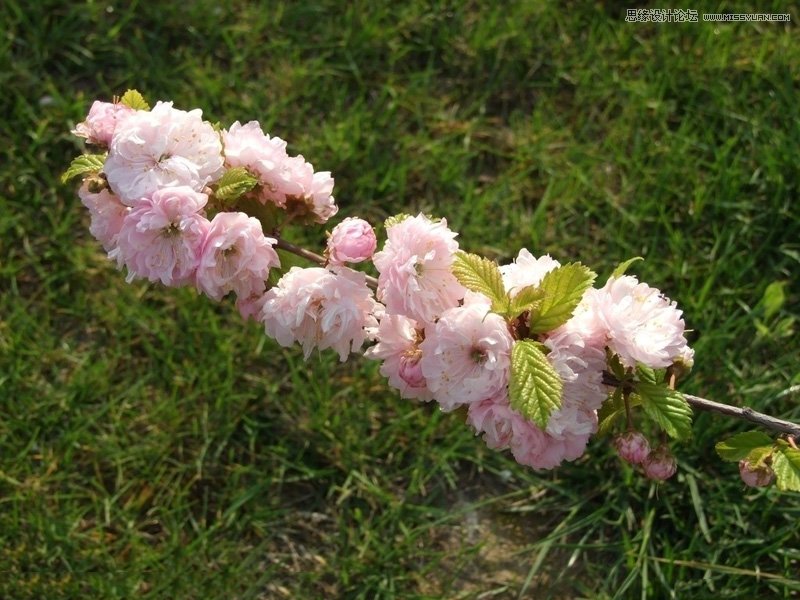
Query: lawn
(152, 445)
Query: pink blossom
(632, 447)
(579, 359)
(415, 278)
(352, 240)
(756, 476)
(398, 346)
(466, 356)
(252, 306)
(660, 464)
(526, 271)
(102, 120)
(288, 181)
(236, 257)
(164, 147)
(320, 309)
(161, 238)
(493, 417)
(503, 427)
(642, 324)
(107, 214)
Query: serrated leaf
(667, 408)
(535, 388)
(563, 289)
(623, 267)
(739, 446)
(133, 99)
(234, 183)
(85, 164)
(649, 374)
(481, 275)
(527, 299)
(786, 464)
(395, 219)
(613, 409)
(758, 456)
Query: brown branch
(314, 257)
(745, 413)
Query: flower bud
(411, 370)
(755, 476)
(352, 240)
(660, 464)
(632, 447)
(100, 123)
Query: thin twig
(314, 257)
(745, 413)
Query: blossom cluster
(151, 203)
(169, 202)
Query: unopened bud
(352, 240)
(660, 464)
(632, 447)
(755, 476)
(411, 370)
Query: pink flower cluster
(152, 216)
(155, 210)
(289, 182)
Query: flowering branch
(314, 257)
(744, 413)
(541, 358)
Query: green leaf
(649, 374)
(395, 219)
(85, 164)
(774, 298)
(234, 183)
(623, 267)
(739, 446)
(612, 409)
(563, 289)
(133, 99)
(535, 387)
(667, 408)
(786, 464)
(481, 275)
(758, 456)
(527, 299)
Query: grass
(152, 446)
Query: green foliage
(481, 275)
(134, 100)
(85, 164)
(535, 388)
(527, 299)
(394, 220)
(741, 445)
(623, 267)
(563, 289)
(668, 408)
(610, 412)
(233, 184)
(786, 464)
(649, 374)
